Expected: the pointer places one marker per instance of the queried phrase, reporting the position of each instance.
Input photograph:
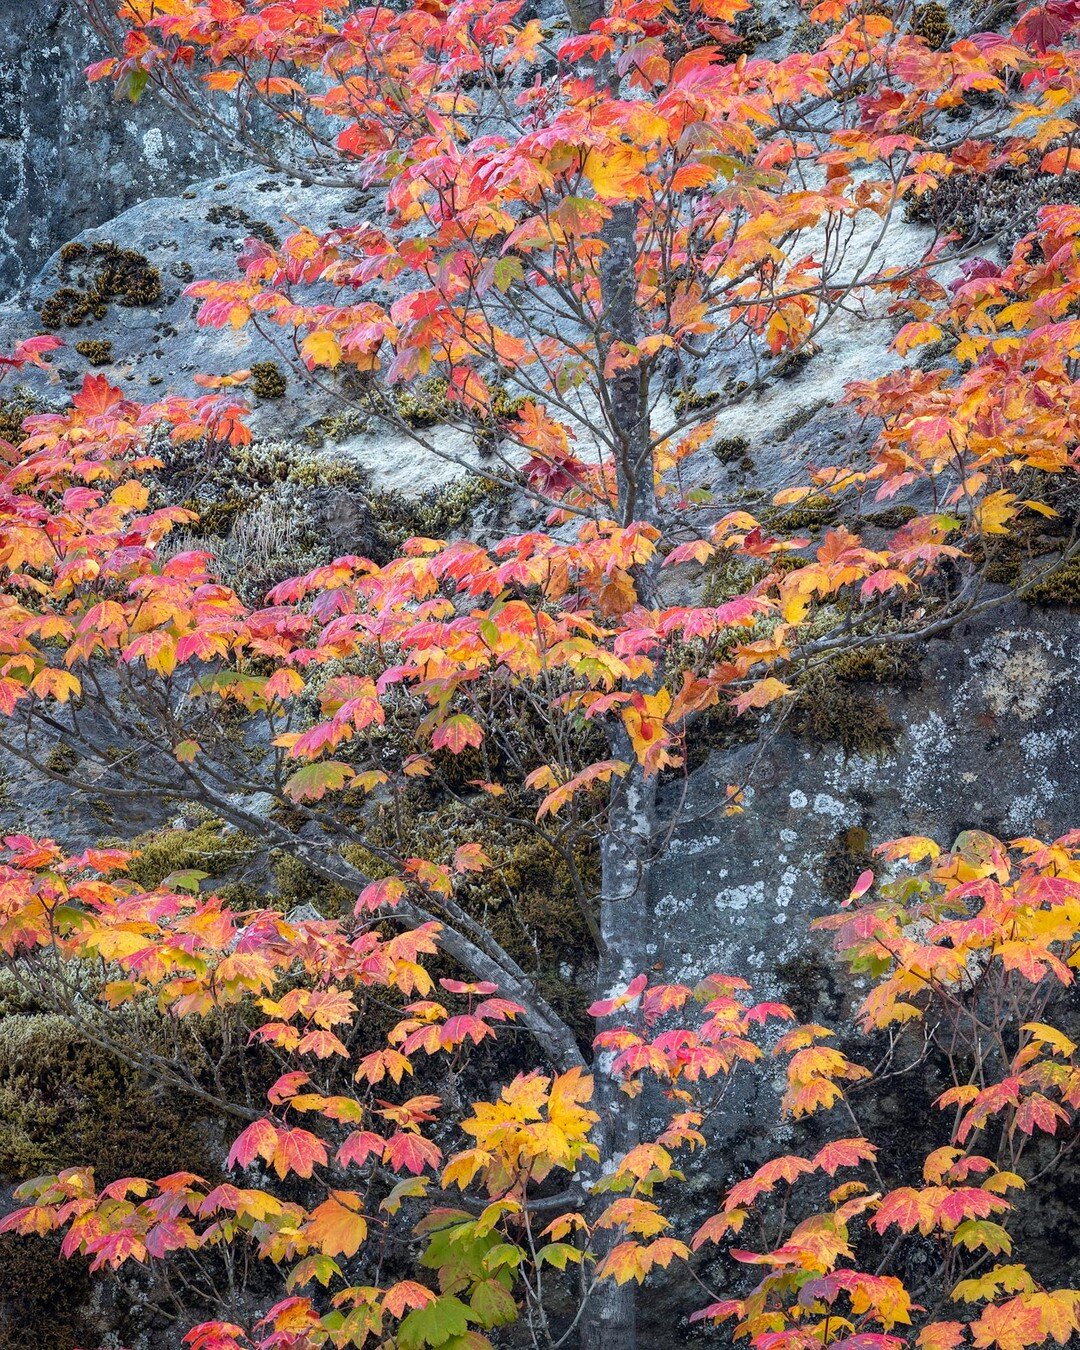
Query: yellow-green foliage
(730, 449)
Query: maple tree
(582, 216)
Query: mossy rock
(93, 276)
(205, 847)
(67, 1103)
(97, 351)
(1059, 588)
(267, 380)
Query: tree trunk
(610, 1320)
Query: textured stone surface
(70, 157)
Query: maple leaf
(337, 1226)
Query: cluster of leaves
(967, 949)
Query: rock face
(70, 158)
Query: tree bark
(610, 1321)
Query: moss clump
(67, 1103)
(883, 663)
(830, 706)
(730, 449)
(216, 519)
(814, 513)
(267, 380)
(14, 412)
(1059, 588)
(688, 400)
(803, 981)
(221, 213)
(98, 351)
(426, 405)
(298, 884)
(829, 710)
(504, 409)
(61, 759)
(206, 847)
(891, 517)
(46, 1297)
(436, 515)
(931, 23)
(93, 277)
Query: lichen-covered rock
(71, 157)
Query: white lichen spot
(797, 801)
(1017, 682)
(824, 805)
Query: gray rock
(70, 157)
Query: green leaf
(507, 271)
(982, 1235)
(434, 1324)
(314, 781)
(557, 1254)
(187, 880)
(493, 1304)
(315, 1267)
(505, 1254)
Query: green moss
(888, 663)
(931, 22)
(45, 1296)
(14, 412)
(688, 400)
(844, 860)
(729, 449)
(98, 351)
(891, 517)
(206, 847)
(61, 759)
(1059, 588)
(831, 706)
(425, 404)
(298, 884)
(216, 519)
(221, 213)
(803, 980)
(828, 710)
(267, 380)
(435, 515)
(103, 274)
(67, 1103)
(814, 513)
